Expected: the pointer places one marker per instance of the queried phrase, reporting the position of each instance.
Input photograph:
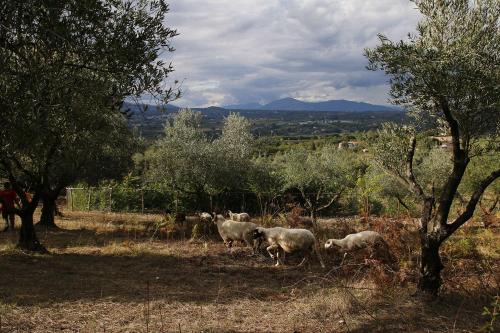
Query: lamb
(240, 217)
(355, 241)
(231, 231)
(288, 240)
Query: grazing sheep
(205, 227)
(240, 217)
(355, 241)
(288, 240)
(231, 231)
(362, 240)
(206, 217)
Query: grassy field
(105, 273)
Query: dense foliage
(447, 75)
(65, 69)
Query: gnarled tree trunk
(48, 210)
(430, 267)
(27, 236)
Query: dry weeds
(105, 273)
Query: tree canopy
(65, 69)
(447, 75)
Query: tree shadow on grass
(451, 312)
(79, 269)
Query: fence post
(142, 200)
(110, 197)
(71, 196)
(88, 201)
(67, 197)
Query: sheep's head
(331, 244)
(258, 233)
(217, 217)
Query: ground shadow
(450, 312)
(191, 274)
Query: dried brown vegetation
(107, 273)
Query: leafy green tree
(102, 152)
(431, 165)
(265, 181)
(368, 186)
(447, 74)
(233, 153)
(181, 160)
(321, 176)
(473, 176)
(64, 67)
(189, 164)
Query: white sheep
(231, 231)
(288, 240)
(206, 217)
(355, 241)
(362, 240)
(240, 217)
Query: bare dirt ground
(105, 273)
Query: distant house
(444, 142)
(352, 144)
(348, 145)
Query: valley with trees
(124, 201)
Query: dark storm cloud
(231, 51)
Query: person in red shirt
(8, 199)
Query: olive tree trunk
(431, 266)
(27, 236)
(49, 209)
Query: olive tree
(447, 75)
(321, 176)
(65, 66)
(187, 163)
(102, 152)
(266, 182)
(180, 160)
(232, 153)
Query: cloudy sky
(240, 51)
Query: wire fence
(111, 199)
(149, 200)
(152, 200)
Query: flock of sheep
(285, 240)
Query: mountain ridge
(284, 104)
(292, 104)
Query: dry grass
(105, 273)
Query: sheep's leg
(307, 256)
(343, 258)
(256, 245)
(280, 261)
(270, 248)
(250, 243)
(305, 259)
(229, 245)
(316, 250)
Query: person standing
(9, 199)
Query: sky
(241, 51)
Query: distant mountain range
(292, 104)
(285, 104)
